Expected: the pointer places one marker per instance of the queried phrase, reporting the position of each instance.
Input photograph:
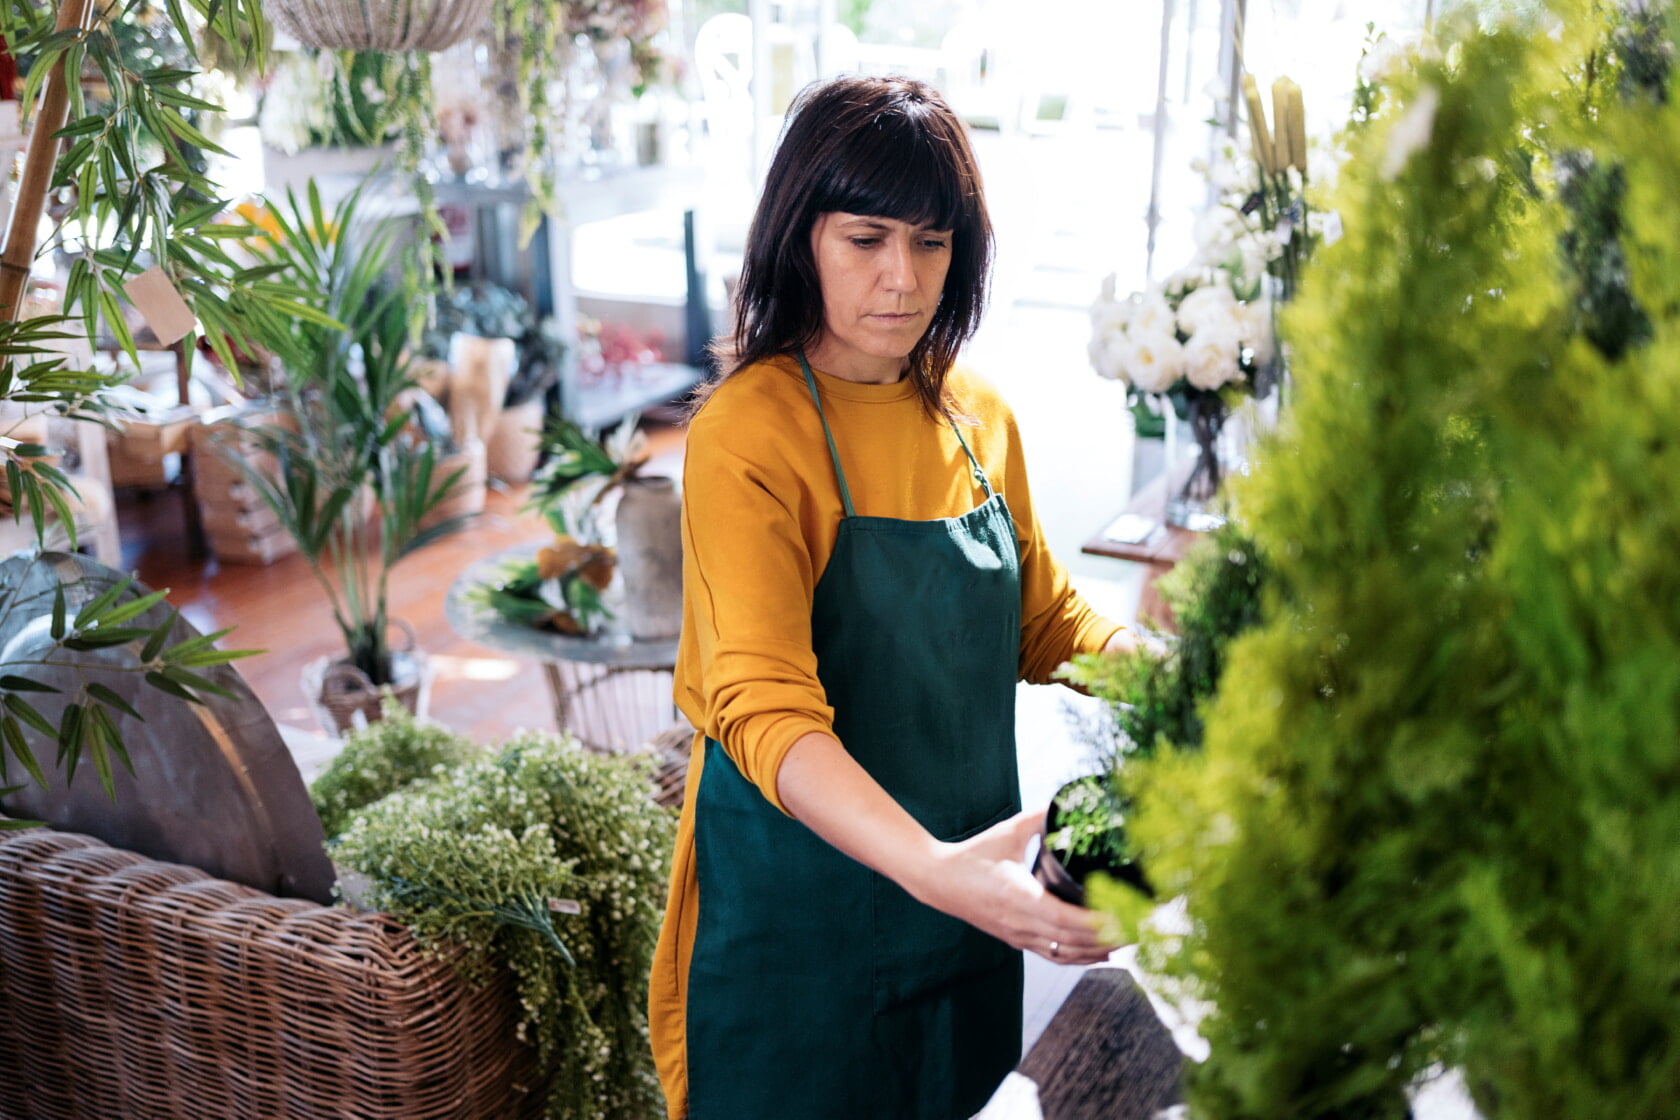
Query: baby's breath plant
(549, 861)
(382, 758)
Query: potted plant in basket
(353, 480)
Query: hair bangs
(894, 169)
(880, 147)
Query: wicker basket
(131, 988)
(379, 25)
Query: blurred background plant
(1428, 825)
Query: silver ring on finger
(1055, 948)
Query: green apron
(818, 988)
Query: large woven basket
(379, 25)
(131, 988)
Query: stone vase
(649, 524)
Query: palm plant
(352, 484)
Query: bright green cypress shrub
(1436, 816)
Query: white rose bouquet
(1199, 340)
(1194, 333)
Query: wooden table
(1162, 548)
(1105, 1056)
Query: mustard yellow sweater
(761, 509)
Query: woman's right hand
(984, 880)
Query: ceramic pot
(649, 524)
(479, 369)
(512, 448)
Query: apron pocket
(918, 949)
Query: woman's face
(881, 281)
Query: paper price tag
(160, 305)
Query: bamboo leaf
(194, 681)
(214, 657)
(58, 613)
(71, 735)
(163, 684)
(132, 608)
(160, 635)
(110, 699)
(26, 712)
(61, 509)
(97, 606)
(85, 126)
(102, 638)
(13, 683)
(93, 732)
(20, 749)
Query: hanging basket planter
(379, 25)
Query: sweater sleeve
(1056, 623)
(749, 577)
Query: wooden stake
(18, 255)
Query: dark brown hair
(881, 147)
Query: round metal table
(610, 690)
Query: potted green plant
(352, 482)
(1154, 698)
(562, 586)
(1085, 835)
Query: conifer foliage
(1436, 815)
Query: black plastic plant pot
(1064, 875)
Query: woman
(865, 583)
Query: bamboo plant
(129, 195)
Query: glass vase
(1216, 449)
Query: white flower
(1326, 225)
(1157, 360)
(1411, 132)
(1111, 316)
(1097, 351)
(1151, 316)
(1210, 359)
(1209, 308)
(1113, 357)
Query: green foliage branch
(94, 616)
(1435, 816)
(546, 860)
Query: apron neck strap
(834, 452)
(979, 475)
